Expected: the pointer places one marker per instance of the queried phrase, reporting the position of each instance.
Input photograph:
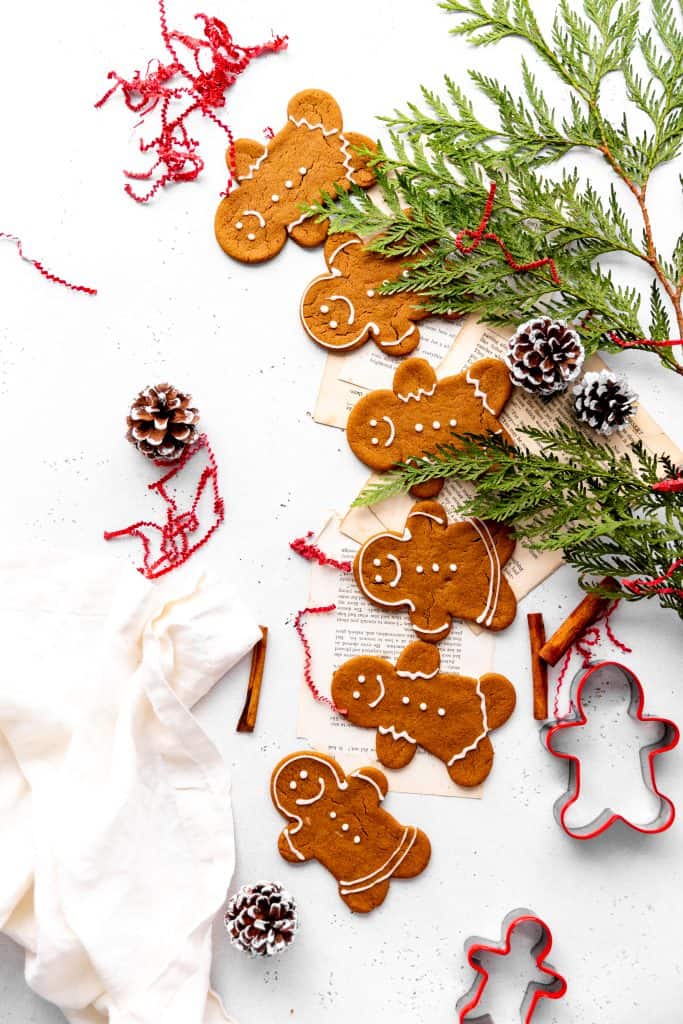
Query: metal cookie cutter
(577, 718)
(554, 988)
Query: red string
(202, 90)
(674, 484)
(175, 545)
(480, 234)
(649, 342)
(308, 676)
(589, 638)
(312, 553)
(657, 585)
(43, 269)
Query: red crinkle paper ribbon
(312, 553)
(42, 269)
(216, 63)
(175, 545)
(645, 587)
(590, 638)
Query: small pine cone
(544, 356)
(162, 423)
(261, 919)
(604, 401)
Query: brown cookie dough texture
(308, 157)
(344, 308)
(386, 427)
(440, 571)
(414, 705)
(337, 819)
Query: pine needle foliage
(443, 157)
(575, 495)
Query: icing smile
(301, 802)
(392, 431)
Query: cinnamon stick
(576, 623)
(539, 668)
(258, 660)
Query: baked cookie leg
(473, 768)
(364, 902)
(310, 232)
(418, 858)
(500, 697)
(394, 753)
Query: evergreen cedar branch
(444, 158)
(575, 495)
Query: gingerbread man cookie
(344, 308)
(386, 427)
(440, 571)
(416, 705)
(337, 820)
(310, 156)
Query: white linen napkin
(115, 814)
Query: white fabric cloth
(116, 837)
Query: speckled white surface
(172, 305)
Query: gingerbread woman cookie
(440, 571)
(416, 705)
(310, 156)
(337, 820)
(386, 427)
(344, 308)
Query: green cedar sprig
(575, 495)
(443, 158)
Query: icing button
(419, 428)
(333, 324)
(239, 225)
(370, 292)
(436, 425)
(356, 694)
(441, 711)
(289, 184)
(251, 236)
(356, 839)
(377, 561)
(378, 579)
(453, 423)
(453, 567)
(406, 700)
(345, 827)
(333, 814)
(375, 440)
(324, 309)
(435, 567)
(275, 198)
(419, 569)
(303, 170)
(423, 706)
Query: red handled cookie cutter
(577, 718)
(554, 988)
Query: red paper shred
(312, 553)
(480, 234)
(656, 585)
(198, 84)
(42, 269)
(168, 545)
(639, 342)
(589, 638)
(673, 484)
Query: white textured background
(172, 305)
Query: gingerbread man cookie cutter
(439, 571)
(612, 671)
(309, 158)
(345, 307)
(420, 413)
(414, 705)
(554, 988)
(337, 819)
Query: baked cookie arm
(246, 153)
(362, 174)
(474, 767)
(500, 697)
(310, 232)
(373, 778)
(393, 752)
(290, 848)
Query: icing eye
(289, 184)
(333, 324)
(303, 774)
(251, 236)
(378, 579)
(373, 423)
(453, 567)
(453, 423)
(441, 712)
(303, 170)
(324, 309)
(423, 706)
(356, 839)
(405, 700)
(292, 784)
(436, 425)
(377, 561)
(370, 292)
(345, 827)
(361, 679)
(239, 225)
(418, 428)
(419, 569)
(356, 694)
(435, 567)
(275, 198)
(333, 814)
(375, 440)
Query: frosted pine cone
(604, 401)
(162, 423)
(262, 919)
(544, 356)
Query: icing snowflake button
(414, 705)
(611, 747)
(522, 932)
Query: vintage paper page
(358, 627)
(346, 378)
(526, 569)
